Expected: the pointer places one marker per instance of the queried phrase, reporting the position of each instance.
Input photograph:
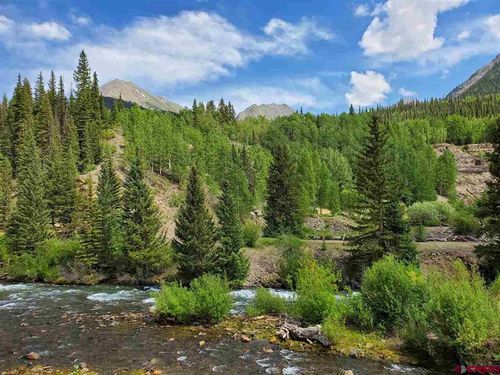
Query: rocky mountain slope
(269, 111)
(484, 81)
(132, 93)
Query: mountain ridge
(269, 111)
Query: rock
(202, 343)
(267, 350)
(32, 356)
(245, 338)
(356, 353)
(346, 372)
(82, 365)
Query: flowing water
(104, 326)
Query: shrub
(462, 315)
(430, 213)
(393, 291)
(207, 300)
(316, 292)
(265, 302)
(293, 256)
(213, 300)
(251, 233)
(495, 288)
(356, 312)
(464, 223)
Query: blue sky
(320, 55)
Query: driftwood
(310, 334)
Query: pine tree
(107, 221)
(283, 213)
(5, 189)
(52, 92)
(230, 259)
(4, 127)
(141, 220)
(489, 254)
(85, 218)
(46, 131)
(376, 190)
(195, 232)
(28, 224)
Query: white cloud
(405, 29)
(493, 24)
(361, 11)
(48, 31)
(6, 24)
(407, 93)
(463, 35)
(80, 20)
(367, 88)
(187, 48)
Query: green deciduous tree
(195, 232)
(446, 174)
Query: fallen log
(310, 335)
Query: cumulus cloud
(361, 11)
(6, 24)
(48, 31)
(367, 88)
(80, 20)
(405, 29)
(463, 35)
(407, 93)
(187, 48)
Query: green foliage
(293, 256)
(430, 213)
(464, 222)
(5, 190)
(393, 291)
(460, 317)
(446, 174)
(230, 260)
(195, 232)
(284, 214)
(316, 292)
(266, 303)
(207, 300)
(489, 254)
(251, 232)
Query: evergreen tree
(4, 127)
(195, 232)
(106, 225)
(283, 212)
(85, 217)
(46, 131)
(141, 220)
(446, 174)
(489, 254)
(52, 92)
(5, 190)
(28, 224)
(376, 190)
(230, 260)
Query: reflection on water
(104, 326)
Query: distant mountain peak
(484, 81)
(269, 111)
(132, 93)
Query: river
(105, 327)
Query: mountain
(133, 94)
(269, 111)
(484, 81)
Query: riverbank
(108, 328)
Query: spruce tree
(4, 127)
(28, 225)
(52, 92)
(489, 254)
(86, 219)
(107, 221)
(283, 212)
(195, 232)
(230, 262)
(141, 221)
(5, 189)
(46, 130)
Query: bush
(464, 223)
(207, 300)
(251, 233)
(393, 291)
(462, 316)
(430, 213)
(266, 303)
(293, 256)
(316, 292)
